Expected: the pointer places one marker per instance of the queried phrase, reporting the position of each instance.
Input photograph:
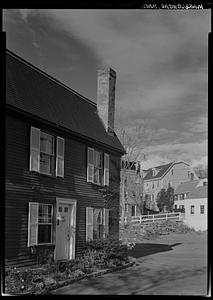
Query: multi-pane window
(97, 223)
(97, 167)
(182, 207)
(44, 223)
(202, 209)
(181, 196)
(45, 157)
(192, 209)
(40, 223)
(46, 153)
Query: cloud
(161, 62)
(203, 161)
(188, 152)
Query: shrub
(97, 254)
(106, 250)
(22, 281)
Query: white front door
(65, 229)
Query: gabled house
(192, 198)
(184, 190)
(162, 176)
(62, 159)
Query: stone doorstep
(87, 276)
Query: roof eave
(54, 125)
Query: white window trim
(91, 167)
(38, 150)
(104, 221)
(37, 224)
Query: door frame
(72, 203)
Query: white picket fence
(175, 216)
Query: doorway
(65, 229)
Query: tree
(161, 199)
(201, 171)
(170, 199)
(134, 140)
(165, 199)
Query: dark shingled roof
(35, 92)
(161, 170)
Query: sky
(161, 63)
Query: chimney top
(106, 97)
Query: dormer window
(154, 172)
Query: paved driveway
(171, 265)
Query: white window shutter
(34, 149)
(106, 222)
(33, 224)
(89, 223)
(90, 164)
(60, 157)
(106, 169)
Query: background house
(195, 204)
(162, 176)
(183, 190)
(62, 160)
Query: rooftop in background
(186, 187)
(160, 171)
(32, 91)
(199, 192)
(190, 186)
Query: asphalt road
(175, 264)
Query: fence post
(140, 219)
(153, 219)
(166, 216)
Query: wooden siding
(23, 186)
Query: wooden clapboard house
(62, 164)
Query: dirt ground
(175, 264)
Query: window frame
(90, 222)
(202, 209)
(92, 166)
(36, 153)
(135, 210)
(51, 156)
(192, 209)
(37, 224)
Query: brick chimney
(106, 97)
